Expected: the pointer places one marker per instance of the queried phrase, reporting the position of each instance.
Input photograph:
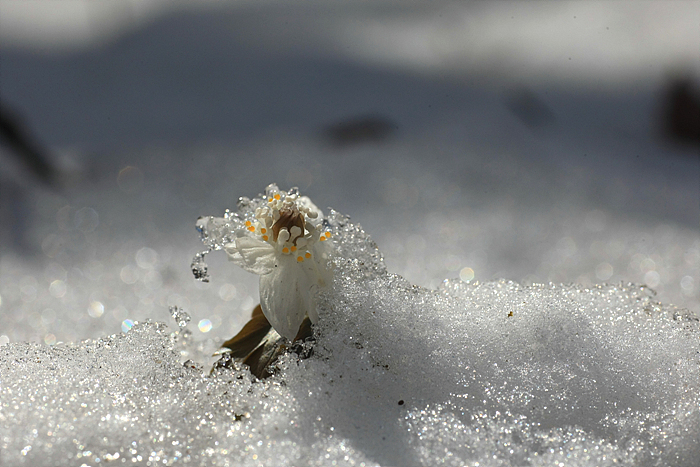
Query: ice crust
(492, 373)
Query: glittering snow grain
(493, 373)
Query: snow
(492, 373)
(525, 208)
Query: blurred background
(530, 141)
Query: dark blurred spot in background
(680, 112)
(21, 144)
(359, 130)
(530, 108)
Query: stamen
(248, 223)
(265, 237)
(277, 196)
(308, 255)
(288, 219)
(263, 230)
(294, 232)
(251, 228)
(328, 235)
(285, 250)
(282, 237)
(294, 248)
(300, 259)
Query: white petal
(313, 314)
(285, 297)
(318, 276)
(324, 270)
(251, 254)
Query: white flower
(286, 245)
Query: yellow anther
(322, 239)
(265, 237)
(269, 200)
(308, 255)
(248, 223)
(294, 248)
(251, 228)
(285, 250)
(277, 196)
(300, 258)
(263, 230)
(328, 235)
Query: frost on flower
(281, 238)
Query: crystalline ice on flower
(199, 268)
(181, 317)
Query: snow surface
(490, 374)
(527, 148)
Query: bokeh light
(130, 179)
(227, 292)
(466, 274)
(58, 288)
(205, 325)
(96, 309)
(604, 271)
(127, 324)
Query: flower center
(290, 217)
(285, 222)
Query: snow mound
(469, 374)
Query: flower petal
(251, 254)
(285, 297)
(311, 310)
